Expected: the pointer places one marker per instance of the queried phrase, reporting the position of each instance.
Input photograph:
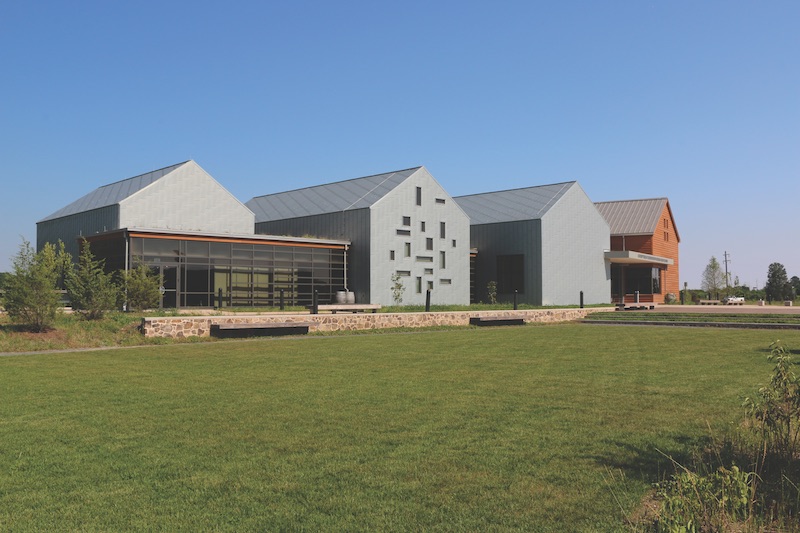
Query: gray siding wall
(451, 283)
(187, 199)
(574, 238)
(349, 225)
(70, 228)
(508, 238)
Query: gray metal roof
(632, 217)
(530, 203)
(356, 193)
(112, 193)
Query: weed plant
(748, 481)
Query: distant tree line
(32, 291)
(779, 286)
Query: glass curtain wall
(243, 274)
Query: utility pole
(727, 275)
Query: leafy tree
(777, 283)
(491, 292)
(397, 288)
(91, 290)
(31, 298)
(713, 277)
(141, 288)
(795, 281)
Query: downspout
(127, 268)
(346, 248)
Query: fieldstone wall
(200, 326)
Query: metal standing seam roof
(335, 197)
(112, 193)
(530, 203)
(632, 217)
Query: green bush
(31, 298)
(141, 288)
(693, 502)
(91, 290)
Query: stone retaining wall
(200, 326)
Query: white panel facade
(574, 238)
(187, 199)
(440, 263)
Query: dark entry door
(169, 286)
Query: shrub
(91, 290)
(31, 298)
(693, 502)
(141, 288)
(397, 288)
(775, 409)
(491, 291)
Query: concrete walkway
(730, 309)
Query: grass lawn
(537, 428)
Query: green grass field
(537, 428)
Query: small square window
(422, 226)
(419, 285)
(430, 285)
(419, 195)
(440, 200)
(429, 272)
(407, 249)
(442, 230)
(391, 255)
(406, 221)
(429, 244)
(454, 243)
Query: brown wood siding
(664, 243)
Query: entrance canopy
(629, 257)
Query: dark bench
(259, 329)
(709, 302)
(496, 321)
(635, 307)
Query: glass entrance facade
(196, 272)
(628, 280)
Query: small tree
(397, 288)
(91, 290)
(491, 292)
(31, 298)
(141, 288)
(713, 278)
(777, 282)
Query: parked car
(733, 300)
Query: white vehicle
(734, 300)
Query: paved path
(740, 309)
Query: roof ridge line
(517, 189)
(336, 182)
(546, 206)
(143, 174)
(387, 178)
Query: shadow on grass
(652, 463)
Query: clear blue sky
(695, 101)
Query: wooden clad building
(644, 250)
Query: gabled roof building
(199, 239)
(399, 223)
(644, 249)
(395, 237)
(544, 243)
